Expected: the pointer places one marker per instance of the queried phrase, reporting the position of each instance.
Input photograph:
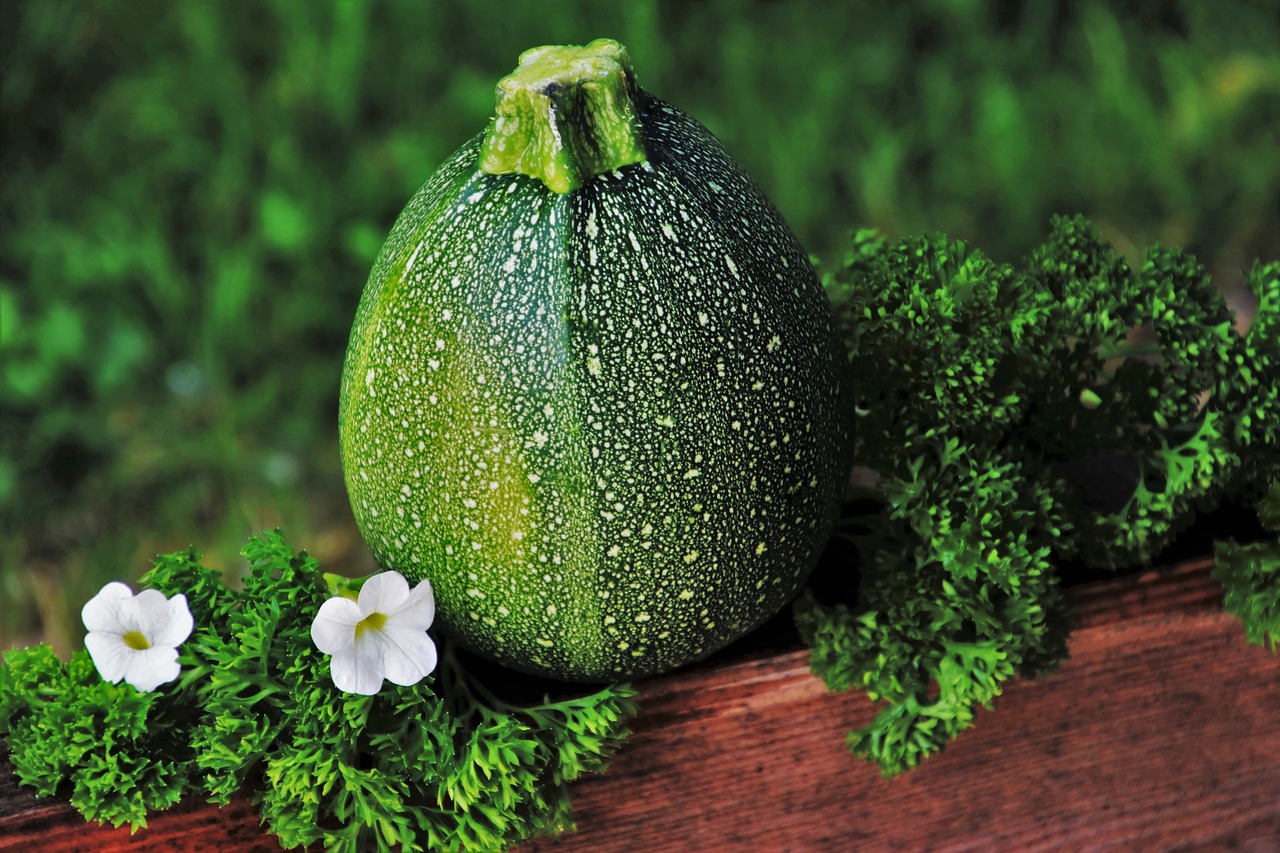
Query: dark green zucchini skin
(608, 425)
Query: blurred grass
(192, 193)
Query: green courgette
(594, 390)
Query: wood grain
(1162, 732)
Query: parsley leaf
(1009, 420)
(443, 765)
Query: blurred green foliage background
(193, 192)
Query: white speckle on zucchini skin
(628, 450)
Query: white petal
(408, 656)
(152, 615)
(102, 612)
(109, 654)
(148, 669)
(354, 672)
(179, 624)
(384, 593)
(334, 628)
(418, 610)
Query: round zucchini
(594, 390)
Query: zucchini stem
(566, 115)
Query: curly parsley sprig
(443, 764)
(1075, 407)
(1250, 574)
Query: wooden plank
(28, 825)
(1161, 732)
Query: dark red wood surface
(1162, 732)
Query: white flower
(136, 637)
(381, 634)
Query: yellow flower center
(373, 622)
(135, 640)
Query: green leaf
(1013, 419)
(443, 763)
